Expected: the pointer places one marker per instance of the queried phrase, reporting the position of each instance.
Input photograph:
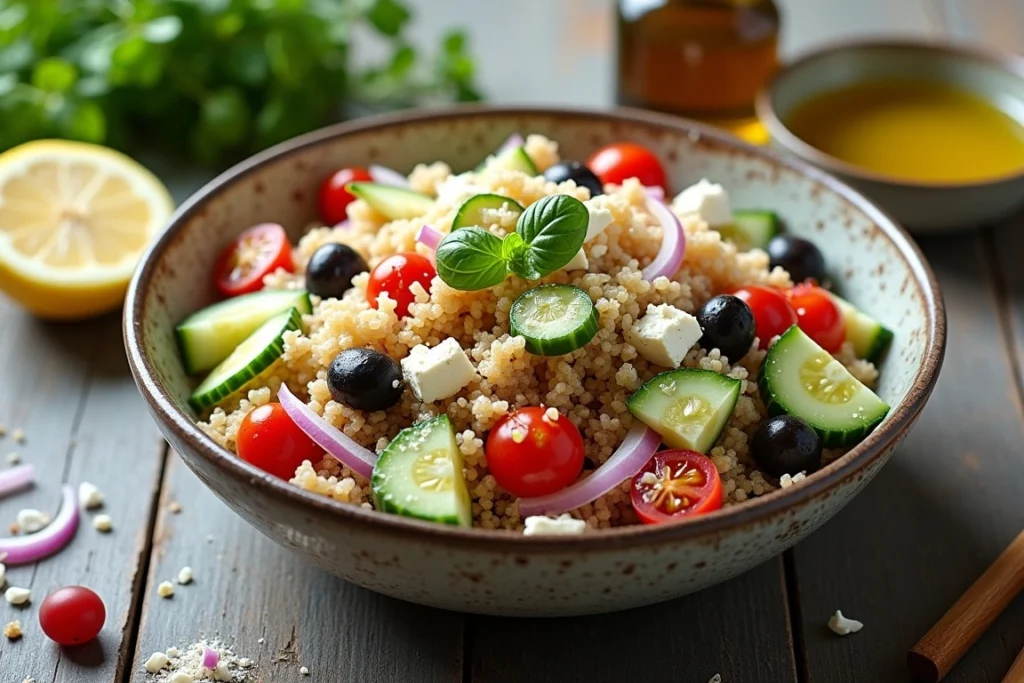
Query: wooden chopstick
(958, 629)
(1016, 672)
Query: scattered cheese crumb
(90, 496)
(785, 481)
(13, 630)
(551, 415)
(304, 671)
(221, 673)
(29, 680)
(799, 477)
(185, 575)
(3, 573)
(186, 665)
(842, 626)
(165, 589)
(649, 478)
(179, 677)
(18, 435)
(209, 538)
(31, 520)
(565, 525)
(156, 661)
(102, 523)
(17, 596)
(245, 662)
(175, 507)
(172, 652)
(717, 678)
(13, 458)
(261, 640)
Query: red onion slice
(16, 478)
(429, 237)
(344, 225)
(673, 242)
(350, 454)
(210, 657)
(388, 176)
(655, 191)
(515, 140)
(56, 534)
(639, 446)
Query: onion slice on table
(350, 454)
(673, 242)
(210, 657)
(387, 176)
(639, 446)
(56, 534)
(515, 140)
(429, 237)
(16, 478)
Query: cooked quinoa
(589, 386)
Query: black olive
(365, 379)
(330, 270)
(728, 325)
(786, 445)
(577, 172)
(799, 257)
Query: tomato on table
(622, 160)
(818, 316)
(270, 440)
(530, 454)
(260, 250)
(676, 484)
(772, 311)
(334, 198)
(72, 615)
(395, 275)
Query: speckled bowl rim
(1008, 63)
(751, 512)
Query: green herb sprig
(548, 235)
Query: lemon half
(75, 219)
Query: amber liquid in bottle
(704, 59)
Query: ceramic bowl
(922, 207)
(503, 572)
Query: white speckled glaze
(877, 265)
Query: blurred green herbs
(213, 79)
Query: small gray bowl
(922, 207)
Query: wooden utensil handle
(947, 641)
(1016, 672)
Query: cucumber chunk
(254, 355)
(869, 337)
(209, 336)
(393, 202)
(800, 378)
(554, 319)
(471, 213)
(513, 159)
(419, 475)
(751, 229)
(688, 407)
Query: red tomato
(686, 484)
(819, 316)
(270, 440)
(72, 615)
(334, 198)
(259, 250)
(773, 314)
(530, 455)
(395, 275)
(615, 163)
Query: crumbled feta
(708, 200)
(551, 415)
(13, 458)
(156, 661)
(102, 523)
(180, 677)
(165, 589)
(717, 678)
(172, 652)
(438, 372)
(245, 662)
(222, 673)
(89, 496)
(664, 335)
(17, 596)
(18, 435)
(842, 626)
(649, 478)
(597, 221)
(579, 262)
(13, 630)
(785, 481)
(185, 575)
(31, 520)
(175, 507)
(565, 525)
(304, 670)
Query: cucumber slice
(554, 319)
(751, 229)
(471, 212)
(688, 407)
(209, 336)
(869, 337)
(800, 378)
(419, 475)
(514, 159)
(393, 202)
(254, 355)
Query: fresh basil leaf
(554, 229)
(470, 259)
(512, 246)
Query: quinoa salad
(538, 345)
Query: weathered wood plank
(1009, 249)
(69, 389)
(939, 513)
(247, 588)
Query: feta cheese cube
(664, 335)
(579, 262)
(708, 200)
(565, 525)
(842, 626)
(439, 372)
(599, 220)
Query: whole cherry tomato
(617, 162)
(530, 454)
(72, 615)
(334, 198)
(773, 313)
(819, 316)
(270, 440)
(395, 275)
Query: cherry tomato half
(334, 198)
(395, 275)
(614, 163)
(531, 455)
(72, 615)
(773, 313)
(676, 484)
(819, 316)
(260, 250)
(270, 440)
